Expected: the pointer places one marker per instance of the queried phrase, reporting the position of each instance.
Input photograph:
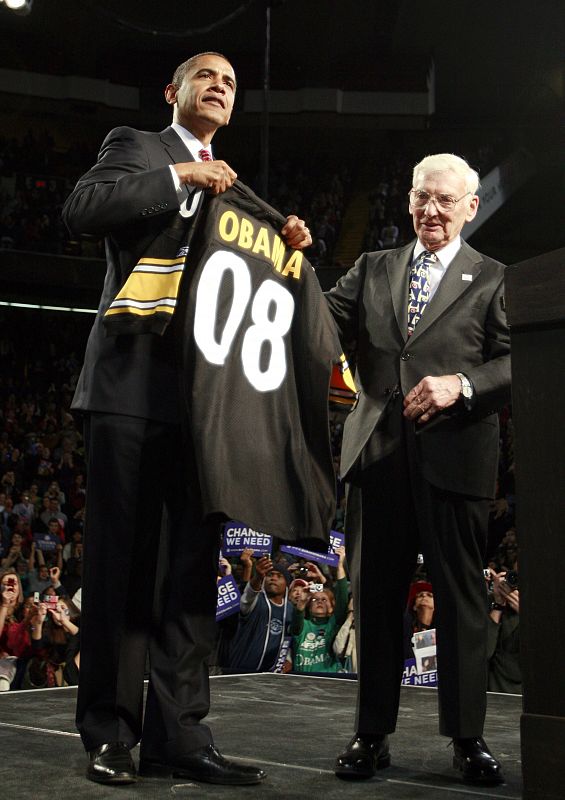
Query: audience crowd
(36, 176)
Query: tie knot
(205, 155)
(426, 256)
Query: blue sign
(311, 555)
(238, 537)
(45, 541)
(411, 676)
(228, 598)
(337, 539)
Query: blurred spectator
(15, 642)
(344, 643)
(419, 613)
(16, 552)
(55, 642)
(389, 235)
(265, 617)
(53, 511)
(25, 508)
(314, 634)
(504, 672)
(43, 577)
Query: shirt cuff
(182, 189)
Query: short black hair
(182, 69)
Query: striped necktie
(419, 288)
(205, 155)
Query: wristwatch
(467, 390)
(494, 606)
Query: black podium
(535, 298)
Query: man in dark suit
(425, 325)
(140, 468)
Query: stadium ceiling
(502, 56)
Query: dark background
(499, 76)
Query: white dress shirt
(438, 268)
(187, 193)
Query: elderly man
(139, 463)
(426, 327)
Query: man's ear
(472, 209)
(171, 93)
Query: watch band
(467, 391)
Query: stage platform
(291, 726)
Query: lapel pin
(466, 277)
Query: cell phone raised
(51, 600)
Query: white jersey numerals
(272, 310)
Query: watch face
(467, 392)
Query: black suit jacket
(463, 329)
(129, 197)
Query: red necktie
(205, 155)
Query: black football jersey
(258, 348)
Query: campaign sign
(311, 555)
(411, 676)
(45, 541)
(228, 598)
(238, 536)
(337, 539)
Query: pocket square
(466, 277)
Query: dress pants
(392, 514)
(149, 585)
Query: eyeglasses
(420, 199)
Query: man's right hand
(214, 176)
(263, 565)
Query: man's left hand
(295, 233)
(430, 396)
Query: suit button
(143, 212)
(396, 393)
(405, 356)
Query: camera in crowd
(511, 579)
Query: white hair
(444, 162)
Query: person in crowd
(43, 577)
(129, 390)
(314, 634)
(25, 509)
(70, 547)
(344, 643)
(16, 552)
(419, 614)
(15, 641)
(426, 324)
(55, 643)
(264, 620)
(504, 670)
(53, 511)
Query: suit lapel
(174, 146)
(397, 267)
(460, 275)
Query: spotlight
(21, 7)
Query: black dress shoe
(111, 763)
(205, 764)
(363, 757)
(476, 763)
